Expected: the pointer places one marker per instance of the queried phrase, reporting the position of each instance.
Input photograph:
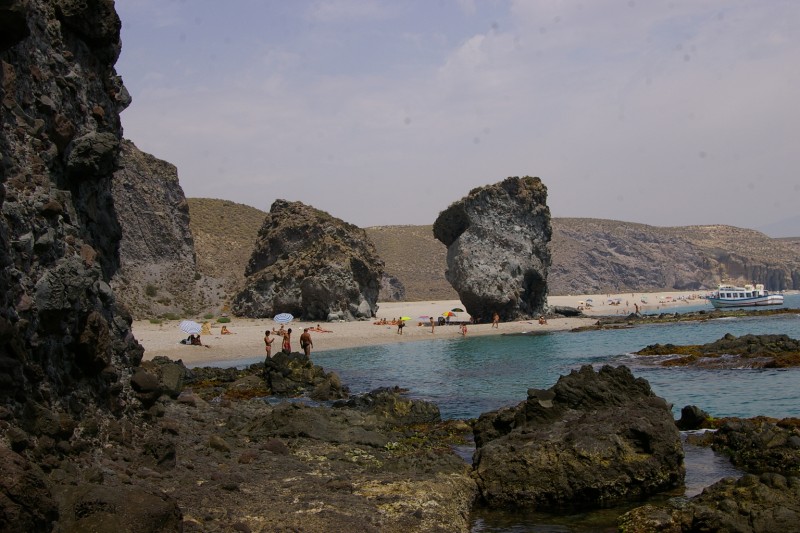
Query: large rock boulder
(497, 254)
(310, 264)
(591, 439)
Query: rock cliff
(67, 350)
(310, 264)
(599, 256)
(158, 273)
(497, 254)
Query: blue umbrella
(283, 318)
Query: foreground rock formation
(67, 351)
(312, 265)
(497, 254)
(592, 439)
(765, 500)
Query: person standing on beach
(400, 325)
(433, 324)
(496, 321)
(305, 343)
(286, 347)
(268, 343)
(463, 329)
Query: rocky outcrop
(751, 504)
(764, 500)
(312, 265)
(497, 254)
(759, 445)
(746, 351)
(65, 343)
(67, 350)
(591, 439)
(158, 273)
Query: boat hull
(772, 299)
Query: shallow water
(472, 375)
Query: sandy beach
(246, 342)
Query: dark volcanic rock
(692, 417)
(67, 350)
(591, 439)
(760, 444)
(752, 351)
(751, 504)
(497, 254)
(310, 264)
(114, 509)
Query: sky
(384, 112)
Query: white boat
(749, 295)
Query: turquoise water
(471, 375)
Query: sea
(467, 376)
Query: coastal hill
(588, 255)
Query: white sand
(247, 340)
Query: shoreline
(246, 341)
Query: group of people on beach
(286, 339)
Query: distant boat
(749, 295)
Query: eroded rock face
(158, 272)
(69, 345)
(497, 255)
(67, 350)
(591, 439)
(310, 264)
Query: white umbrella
(191, 327)
(283, 318)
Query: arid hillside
(589, 255)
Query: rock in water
(310, 264)
(592, 439)
(497, 254)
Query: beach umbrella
(404, 318)
(191, 327)
(589, 300)
(283, 318)
(424, 316)
(448, 313)
(457, 310)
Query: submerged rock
(310, 264)
(591, 439)
(497, 253)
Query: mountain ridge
(589, 255)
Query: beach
(246, 340)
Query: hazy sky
(666, 112)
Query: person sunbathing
(226, 331)
(320, 330)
